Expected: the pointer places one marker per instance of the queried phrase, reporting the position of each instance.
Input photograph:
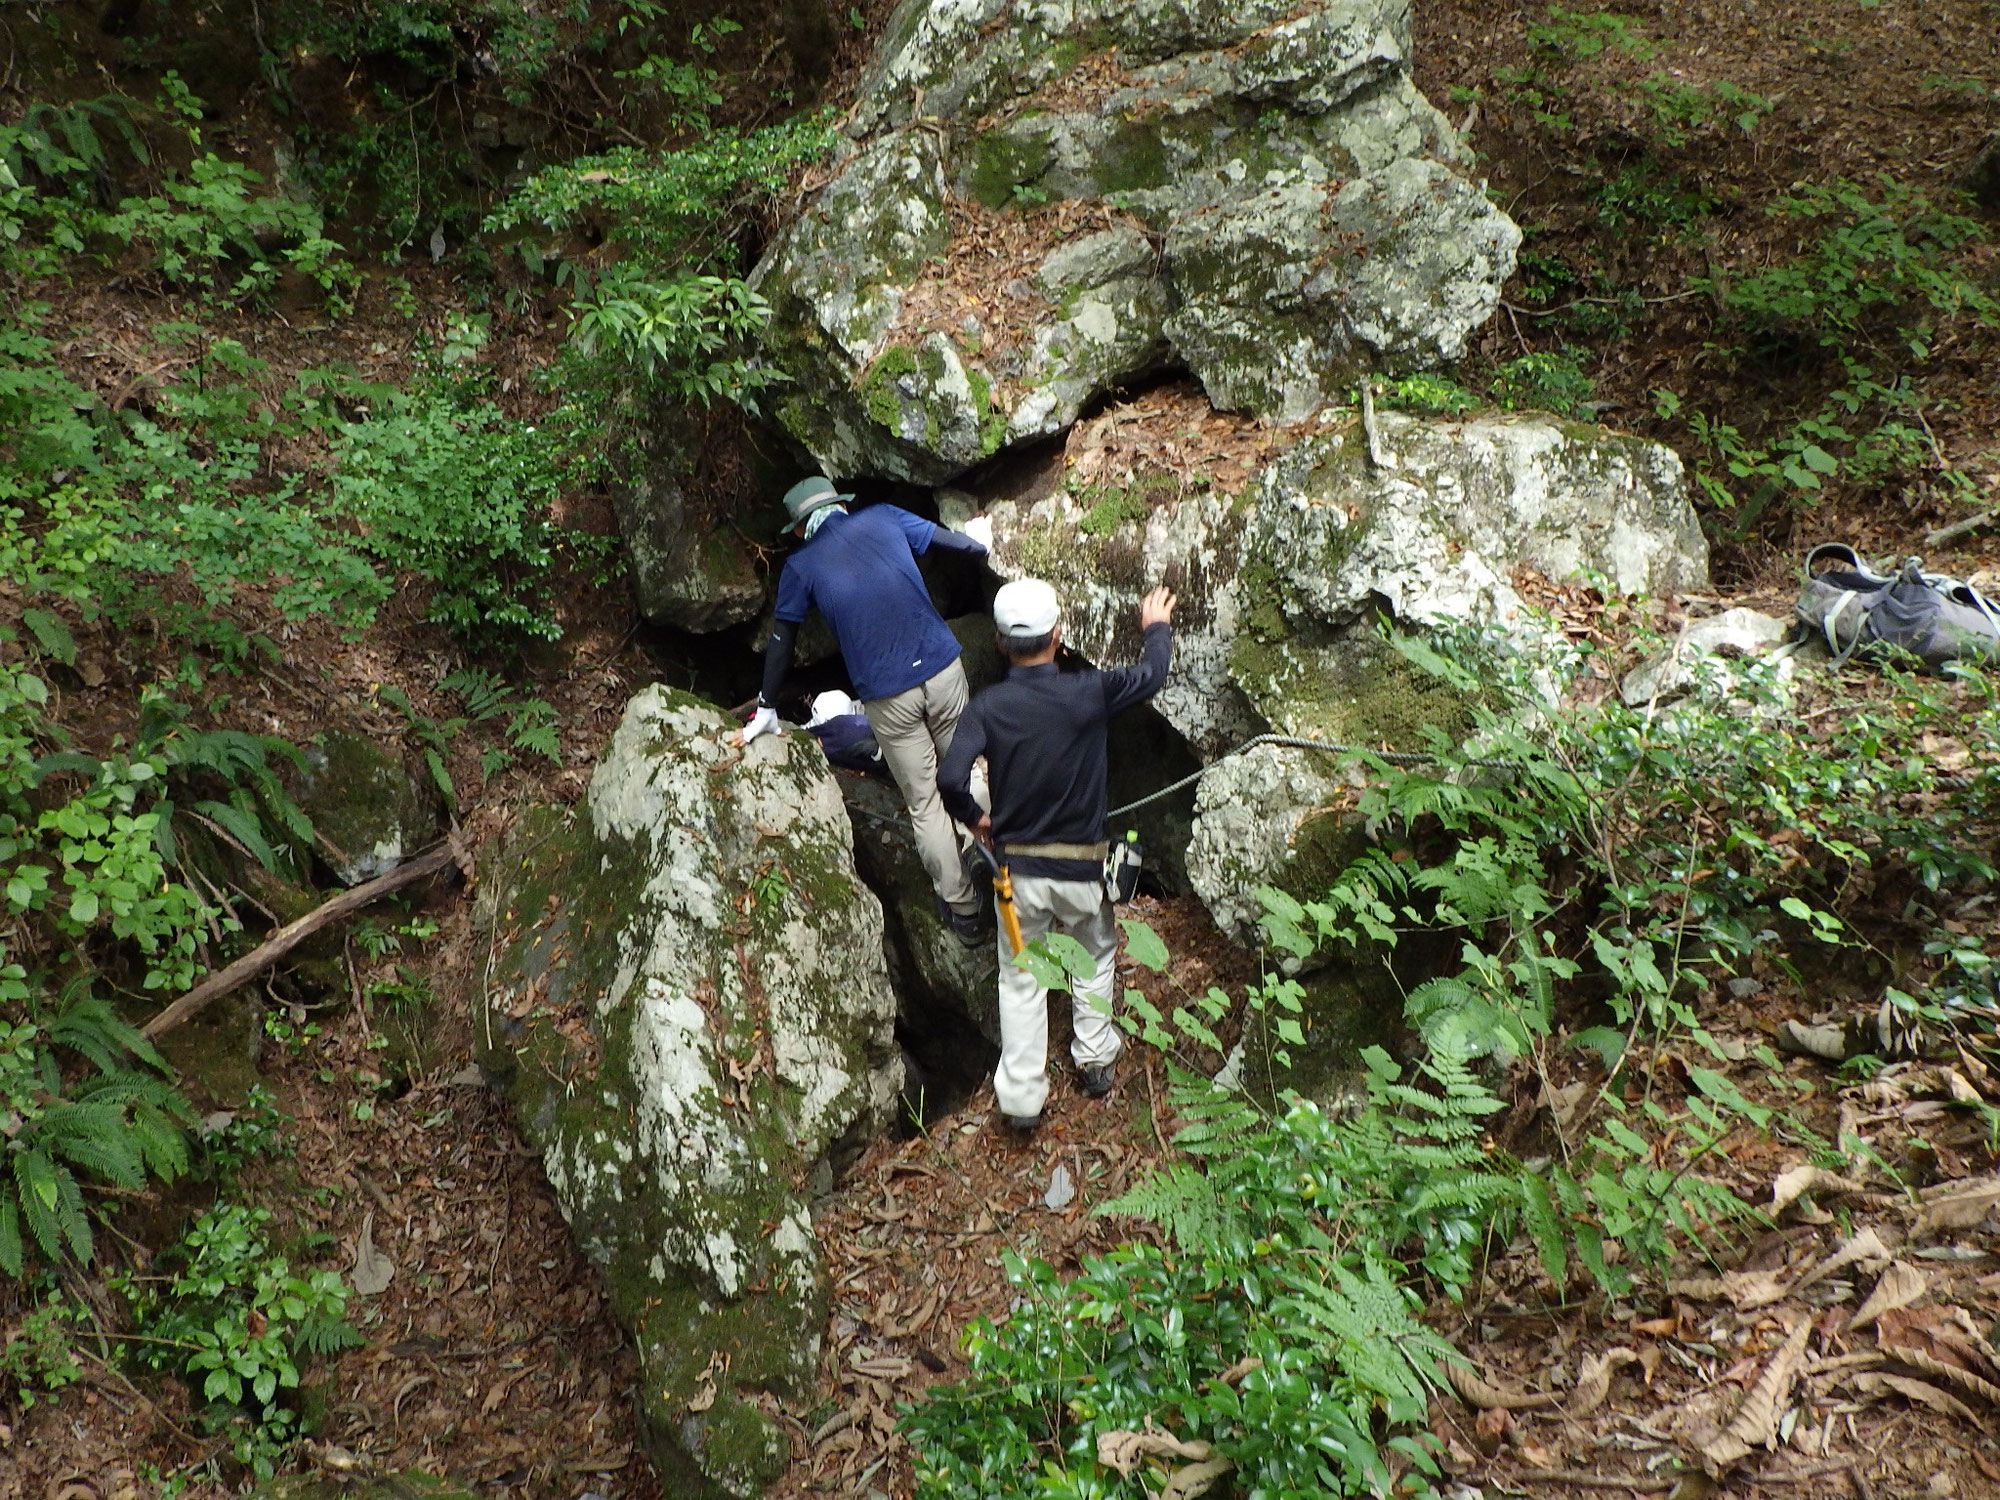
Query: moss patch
(878, 386)
(1003, 161)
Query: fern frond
(11, 1248)
(90, 1027)
(93, 1136)
(36, 1188)
(1186, 1204)
(161, 1143)
(319, 1335)
(244, 828)
(1369, 1324)
(1217, 1119)
(1538, 1212)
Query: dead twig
(288, 937)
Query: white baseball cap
(1025, 609)
(831, 704)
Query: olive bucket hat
(809, 495)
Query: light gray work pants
(1077, 907)
(914, 729)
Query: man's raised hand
(1157, 608)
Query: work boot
(972, 928)
(1096, 1081)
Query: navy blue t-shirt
(860, 572)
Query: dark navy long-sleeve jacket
(1042, 732)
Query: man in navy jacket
(1042, 731)
(859, 570)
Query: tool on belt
(1122, 862)
(1003, 897)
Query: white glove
(764, 721)
(980, 529)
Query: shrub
(455, 491)
(1279, 1323)
(239, 1323)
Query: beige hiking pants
(914, 729)
(1077, 907)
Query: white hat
(1025, 609)
(831, 704)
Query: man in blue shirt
(859, 570)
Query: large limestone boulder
(1047, 200)
(690, 1011)
(1286, 587)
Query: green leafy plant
(38, 1357)
(1437, 394)
(239, 1323)
(457, 493)
(1548, 380)
(1277, 1324)
(1683, 110)
(1638, 854)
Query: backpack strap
(1832, 619)
(1849, 561)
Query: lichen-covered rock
(1282, 585)
(1290, 295)
(687, 571)
(1110, 311)
(1257, 191)
(690, 1011)
(836, 279)
(369, 810)
(1285, 588)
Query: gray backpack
(1923, 615)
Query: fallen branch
(1958, 529)
(288, 937)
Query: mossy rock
(366, 803)
(1349, 1006)
(1158, 115)
(690, 1011)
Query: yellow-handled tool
(1003, 901)
(1003, 898)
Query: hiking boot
(972, 928)
(1096, 1081)
(1022, 1124)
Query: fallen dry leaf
(1790, 1185)
(1197, 1479)
(373, 1271)
(1966, 1205)
(1593, 1382)
(1874, 1382)
(1126, 1450)
(1940, 1341)
(1490, 1429)
(1476, 1392)
(1756, 1421)
(1900, 1286)
(1864, 1249)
